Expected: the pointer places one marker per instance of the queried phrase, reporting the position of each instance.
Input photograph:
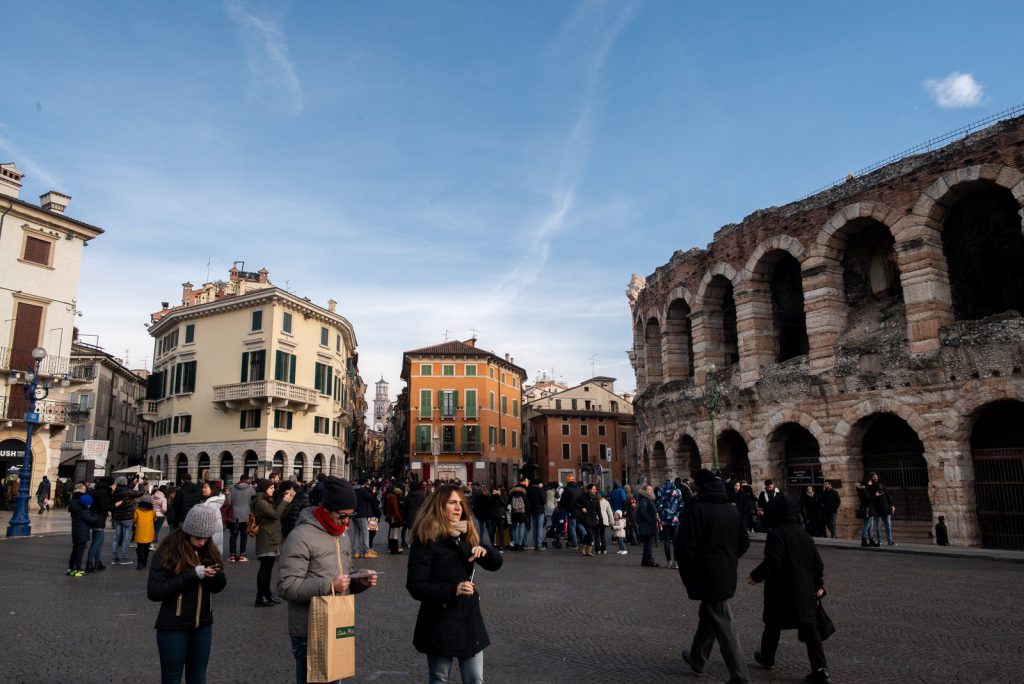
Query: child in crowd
(619, 532)
(82, 522)
(144, 519)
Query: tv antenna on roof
(593, 361)
(446, 333)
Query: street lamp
(19, 526)
(711, 397)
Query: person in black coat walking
(445, 550)
(647, 524)
(830, 504)
(82, 522)
(794, 578)
(712, 536)
(189, 494)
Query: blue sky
(433, 166)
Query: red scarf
(333, 528)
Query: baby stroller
(559, 530)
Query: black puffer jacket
(184, 598)
(447, 625)
(792, 570)
(711, 538)
(188, 496)
(83, 520)
(100, 504)
(126, 498)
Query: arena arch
(997, 453)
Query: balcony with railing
(147, 409)
(265, 393)
(15, 407)
(20, 360)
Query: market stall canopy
(138, 470)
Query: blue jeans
(360, 535)
(519, 534)
(184, 649)
(157, 525)
(865, 529)
(669, 533)
(538, 529)
(122, 537)
(96, 548)
(299, 651)
(881, 521)
(472, 669)
(481, 529)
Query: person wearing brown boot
(590, 506)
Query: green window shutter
(290, 415)
(515, 407)
(425, 407)
(465, 437)
(317, 381)
(279, 365)
(471, 403)
(261, 364)
(291, 369)
(330, 380)
(245, 367)
(455, 401)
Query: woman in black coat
(445, 551)
(648, 527)
(496, 513)
(590, 518)
(794, 578)
(83, 520)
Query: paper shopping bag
(331, 651)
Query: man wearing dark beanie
(711, 538)
(309, 566)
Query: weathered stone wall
(882, 342)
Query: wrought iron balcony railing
(20, 360)
(53, 412)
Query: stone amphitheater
(874, 326)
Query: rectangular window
(254, 365)
(257, 320)
(565, 429)
(168, 342)
(558, 404)
(470, 370)
(503, 378)
(606, 454)
(337, 343)
(585, 453)
(449, 403)
(37, 251)
(583, 430)
(447, 439)
(470, 438)
(284, 367)
(623, 433)
(514, 439)
(565, 452)
(321, 425)
(492, 372)
(426, 409)
(426, 369)
(615, 407)
(325, 337)
(448, 369)
(600, 430)
(80, 432)
(574, 405)
(183, 378)
(586, 404)
(286, 323)
(182, 424)
(492, 435)
(471, 404)
(515, 408)
(492, 401)
(504, 405)
(283, 420)
(249, 419)
(423, 438)
(502, 441)
(323, 377)
(190, 333)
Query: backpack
(518, 505)
(252, 528)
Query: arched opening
(796, 450)
(252, 464)
(227, 468)
(182, 468)
(719, 309)
(984, 249)
(733, 456)
(678, 341)
(203, 467)
(299, 467)
(871, 282)
(892, 449)
(639, 354)
(278, 464)
(787, 294)
(688, 453)
(318, 465)
(652, 347)
(166, 468)
(333, 468)
(659, 461)
(997, 449)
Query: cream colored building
(257, 381)
(40, 258)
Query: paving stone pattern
(552, 616)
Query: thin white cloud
(28, 165)
(270, 62)
(955, 91)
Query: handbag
(824, 623)
(252, 528)
(372, 524)
(331, 645)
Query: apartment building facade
(586, 431)
(252, 378)
(463, 413)
(40, 258)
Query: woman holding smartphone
(445, 552)
(185, 573)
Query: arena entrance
(997, 449)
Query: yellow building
(463, 414)
(249, 377)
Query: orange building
(463, 415)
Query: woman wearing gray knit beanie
(185, 573)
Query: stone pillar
(706, 329)
(825, 309)
(755, 330)
(951, 490)
(925, 279)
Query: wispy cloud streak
(27, 164)
(270, 62)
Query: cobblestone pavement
(553, 617)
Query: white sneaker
(622, 553)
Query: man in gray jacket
(308, 565)
(239, 500)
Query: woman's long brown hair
(180, 555)
(432, 521)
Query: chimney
(506, 357)
(471, 342)
(10, 180)
(332, 306)
(54, 201)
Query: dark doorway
(997, 449)
(892, 449)
(733, 457)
